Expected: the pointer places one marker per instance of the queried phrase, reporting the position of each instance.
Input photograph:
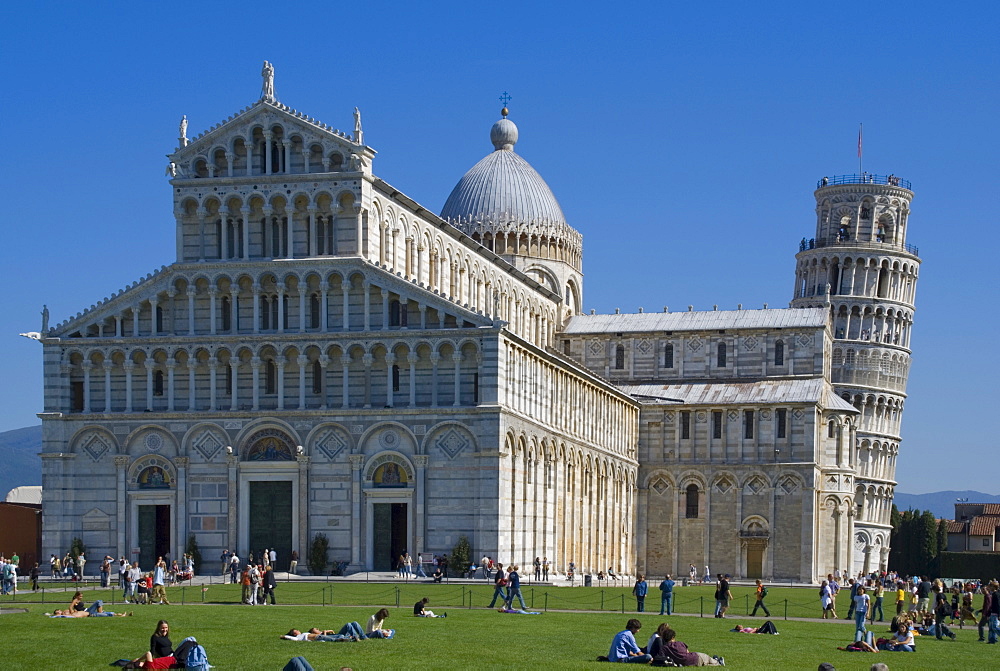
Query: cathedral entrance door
(154, 534)
(755, 562)
(270, 512)
(389, 534)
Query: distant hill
(942, 504)
(19, 460)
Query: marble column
(232, 473)
(390, 360)
(171, 367)
(121, 520)
(129, 366)
(303, 494)
(420, 462)
(457, 358)
(357, 531)
(255, 363)
(108, 365)
(191, 292)
(302, 362)
(182, 464)
(345, 362)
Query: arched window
(619, 357)
(317, 377)
(748, 423)
(265, 313)
(779, 353)
(227, 314)
(158, 383)
(314, 311)
(394, 313)
(668, 355)
(159, 319)
(270, 377)
(720, 359)
(691, 507)
(831, 430)
(395, 377)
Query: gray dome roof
(502, 187)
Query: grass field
(243, 637)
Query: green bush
(461, 556)
(317, 554)
(193, 550)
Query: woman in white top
(903, 640)
(374, 627)
(826, 600)
(861, 603)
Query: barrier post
(786, 609)
(602, 599)
(532, 597)
(397, 597)
(746, 597)
(623, 604)
(183, 588)
(701, 606)
(546, 602)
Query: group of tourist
(662, 649)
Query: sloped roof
(698, 321)
(991, 509)
(955, 527)
(984, 525)
(807, 390)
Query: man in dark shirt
(269, 584)
(994, 621)
(854, 592)
(984, 617)
(723, 596)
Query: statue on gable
(172, 169)
(358, 135)
(354, 163)
(45, 319)
(267, 88)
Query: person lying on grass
(667, 648)
(100, 612)
(321, 635)
(518, 611)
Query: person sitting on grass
(903, 640)
(323, 635)
(625, 649)
(667, 648)
(374, 627)
(100, 612)
(161, 651)
(420, 609)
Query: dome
(502, 187)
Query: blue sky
(683, 140)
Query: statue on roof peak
(183, 129)
(267, 89)
(358, 135)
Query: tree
(193, 550)
(461, 556)
(317, 554)
(927, 543)
(77, 548)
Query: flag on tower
(860, 128)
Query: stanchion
(701, 606)
(623, 604)
(546, 601)
(602, 599)
(746, 598)
(786, 609)
(470, 599)
(397, 597)
(532, 597)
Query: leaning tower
(861, 267)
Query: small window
(314, 311)
(394, 313)
(265, 313)
(619, 357)
(227, 314)
(685, 424)
(779, 353)
(566, 347)
(76, 396)
(668, 355)
(691, 507)
(395, 377)
(781, 420)
(158, 383)
(270, 377)
(831, 430)
(720, 359)
(159, 319)
(986, 542)
(717, 424)
(748, 423)
(317, 377)
(475, 388)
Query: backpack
(763, 592)
(197, 658)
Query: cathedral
(327, 356)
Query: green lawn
(247, 638)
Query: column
(129, 366)
(420, 463)
(324, 363)
(245, 233)
(230, 157)
(121, 518)
(153, 302)
(232, 468)
(192, 364)
(118, 326)
(305, 158)
(267, 151)
(234, 404)
(224, 229)
(346, 288)
(191, 292)
(256, 307)
(324, 321)
(313, 251)
(281, 307)
(290, 230)
(135, 320)
(390, 359)
(385, 309)
(367, 361)
(107, 385)
(423, 315)
(255, 384)
(357, 463)
(149, 384)
(202, 222)
(435, 359)
(366, 288)
(303, 493)
(234, 297)
(345, 362)
(457, 358)
(213, 373)
(212, 292)
(171, 365)
(287, 146)
(302, 309)
(182, 464)
(412, 358)
(279, 365)
(302, 361)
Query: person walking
(761, 593)
(514, 588)
(34, 577)
(499, 586)
(667, 595)
(538, 569)
(877, 606)
(640, 589)
(545, 568)
(269, 584)
(294, 565)
(159, 583)
(861, 603)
